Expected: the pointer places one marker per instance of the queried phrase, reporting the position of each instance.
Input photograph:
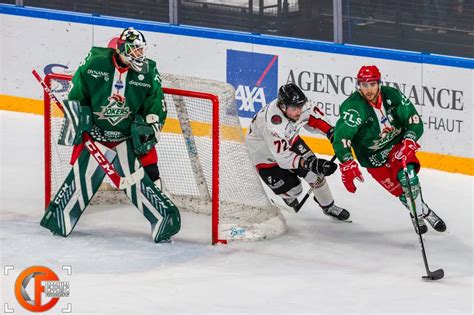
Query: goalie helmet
(291, 95)
(131, 46)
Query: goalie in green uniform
(116, 97)
(382, 126)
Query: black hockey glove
(319, 166)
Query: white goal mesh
(202, 157)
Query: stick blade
(434, 275)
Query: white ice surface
(372, 266)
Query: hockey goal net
(202, 157)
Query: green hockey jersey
(116, 95)
(373, 132)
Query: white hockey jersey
(271, 135)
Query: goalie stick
(430, 275)
(121, 182)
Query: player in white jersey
(282, 157)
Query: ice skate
(421, 224)
(336, 212)
(433, 219)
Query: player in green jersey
(382, 126)
(116, 97)
(118, 85)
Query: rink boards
(440, 87)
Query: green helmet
(131, 45)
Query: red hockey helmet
(368, 73)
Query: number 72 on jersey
(281, 145)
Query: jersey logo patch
(351, 117)
(119, 85)
(387, 135)
(115, 111)
(276, 120)
(98, 74)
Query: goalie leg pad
(75, 193)
(155, 206)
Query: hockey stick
(309, 192)
(121, 182)
(431, 275)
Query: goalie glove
(77, 120)
(143, 136)
(319, 166)
(154, 121)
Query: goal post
(203, 161)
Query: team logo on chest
(115, 111)
(276, 120)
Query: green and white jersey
(116, 95)
(372, 132)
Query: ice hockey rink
(370, 266)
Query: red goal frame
(215, 146)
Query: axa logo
(115, 111)
(254, 77)
(98, 74)
(250, 98)
(38, 289)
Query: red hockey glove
(408, 150)
(349, 172)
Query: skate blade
(337, 220)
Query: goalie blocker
(86, 176)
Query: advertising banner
(442, 94)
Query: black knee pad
(152, 171)
(279, 180)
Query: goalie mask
(131, 46)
